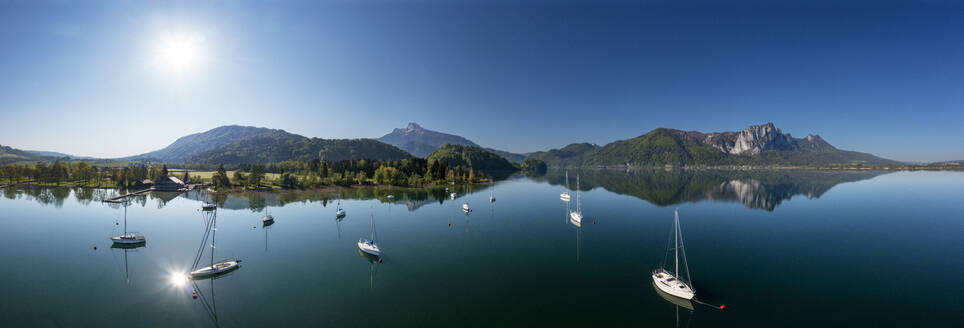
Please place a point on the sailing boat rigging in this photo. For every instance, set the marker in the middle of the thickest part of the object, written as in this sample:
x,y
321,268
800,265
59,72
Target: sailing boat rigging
x,y
210,307
564,196
673,283
369,245
128,237
576,216
215,269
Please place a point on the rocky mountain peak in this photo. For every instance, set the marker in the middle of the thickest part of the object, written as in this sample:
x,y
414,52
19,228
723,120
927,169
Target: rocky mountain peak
x,y
756,138
412,126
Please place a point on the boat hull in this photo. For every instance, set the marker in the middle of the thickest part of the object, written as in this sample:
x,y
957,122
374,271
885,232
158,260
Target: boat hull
x,y
665,282
575,217
340,213
128,240
565,197
215,270
369,248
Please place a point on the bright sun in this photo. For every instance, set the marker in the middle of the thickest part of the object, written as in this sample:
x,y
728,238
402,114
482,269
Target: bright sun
x,y
177,53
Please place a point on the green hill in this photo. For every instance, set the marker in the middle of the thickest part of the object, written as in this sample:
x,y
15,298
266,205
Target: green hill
x,y
756,145
247,145
474,157
12,155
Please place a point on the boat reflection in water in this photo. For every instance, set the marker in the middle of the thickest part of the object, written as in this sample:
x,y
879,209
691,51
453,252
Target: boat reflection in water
x,y
677,304
372,267
685,303
209,304
127,248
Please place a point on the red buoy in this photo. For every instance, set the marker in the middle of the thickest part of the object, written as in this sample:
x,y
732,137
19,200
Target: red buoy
x,y
95,248
379,260
194,295
450,224
722,306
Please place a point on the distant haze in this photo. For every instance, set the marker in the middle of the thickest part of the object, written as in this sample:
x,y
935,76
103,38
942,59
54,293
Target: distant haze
x,y
111,79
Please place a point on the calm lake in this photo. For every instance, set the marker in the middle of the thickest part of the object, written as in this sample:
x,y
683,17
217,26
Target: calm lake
x,y
776,248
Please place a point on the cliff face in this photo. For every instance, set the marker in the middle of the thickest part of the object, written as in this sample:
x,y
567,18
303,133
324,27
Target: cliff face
x,y
752,140
757,138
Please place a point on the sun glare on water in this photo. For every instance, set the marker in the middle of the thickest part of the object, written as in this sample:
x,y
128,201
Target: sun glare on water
x,y
178,279
178,53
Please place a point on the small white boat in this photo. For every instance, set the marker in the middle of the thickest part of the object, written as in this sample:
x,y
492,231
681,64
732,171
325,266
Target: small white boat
x,y
452,196
215,269
492,194
267,218
672,282
575,222
390,197
576,216
128,238
466,208
369,245
340,212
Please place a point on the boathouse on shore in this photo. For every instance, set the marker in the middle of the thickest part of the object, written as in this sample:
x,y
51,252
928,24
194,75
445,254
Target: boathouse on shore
x,y
168,184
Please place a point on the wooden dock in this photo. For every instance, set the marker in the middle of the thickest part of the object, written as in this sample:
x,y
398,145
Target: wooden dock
x,y
119,199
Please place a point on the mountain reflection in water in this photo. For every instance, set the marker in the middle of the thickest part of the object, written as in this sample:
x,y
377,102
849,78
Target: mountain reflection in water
x,y
755,189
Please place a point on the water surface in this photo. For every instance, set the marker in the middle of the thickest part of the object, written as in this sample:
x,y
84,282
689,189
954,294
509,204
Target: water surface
x,y
777,248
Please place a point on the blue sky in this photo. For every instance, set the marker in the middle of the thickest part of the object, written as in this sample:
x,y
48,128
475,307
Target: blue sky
x,y
92,78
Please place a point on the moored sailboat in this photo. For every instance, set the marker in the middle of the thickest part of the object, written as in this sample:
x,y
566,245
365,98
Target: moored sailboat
x,y
214,269
369,245
564,196
340,212
130,238
576,216
673,283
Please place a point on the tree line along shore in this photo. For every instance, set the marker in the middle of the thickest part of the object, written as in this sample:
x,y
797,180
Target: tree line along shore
x,y
313,174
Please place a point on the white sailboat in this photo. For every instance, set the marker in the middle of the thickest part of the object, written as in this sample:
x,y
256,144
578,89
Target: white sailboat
x,y
369,245
466,208
340,212
492,194
452,196
564,196
674,283
128,237
267,219
576,216
208,206
214,269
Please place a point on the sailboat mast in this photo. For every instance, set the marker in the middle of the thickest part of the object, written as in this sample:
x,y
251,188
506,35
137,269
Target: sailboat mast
x,y
125,216
214,232
676,243
578,197
373,226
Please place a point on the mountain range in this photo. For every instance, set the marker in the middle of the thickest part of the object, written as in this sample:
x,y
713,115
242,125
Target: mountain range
x,y
755,145
234,144
421,142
